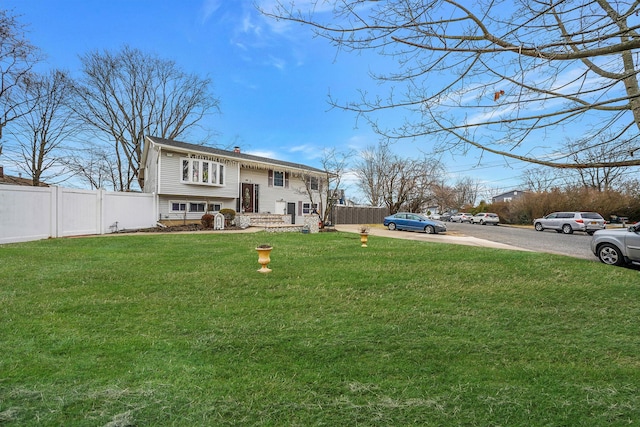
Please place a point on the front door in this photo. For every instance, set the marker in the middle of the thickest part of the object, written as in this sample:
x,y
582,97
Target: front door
x,y
248,200
291,210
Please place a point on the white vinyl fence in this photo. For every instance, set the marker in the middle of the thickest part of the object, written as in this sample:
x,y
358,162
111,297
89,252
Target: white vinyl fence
x,y
33,213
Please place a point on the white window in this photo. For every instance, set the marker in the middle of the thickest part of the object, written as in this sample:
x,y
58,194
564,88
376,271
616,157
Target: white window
x,y
197,207
313,183
178,206
278,179
308,208
203,172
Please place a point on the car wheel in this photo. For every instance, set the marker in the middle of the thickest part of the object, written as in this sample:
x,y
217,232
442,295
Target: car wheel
x,y
539,227
566,229
392,226
610,254
429,229
590,233
482,222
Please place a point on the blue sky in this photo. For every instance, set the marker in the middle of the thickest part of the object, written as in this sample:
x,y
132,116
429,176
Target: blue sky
x,y
273,79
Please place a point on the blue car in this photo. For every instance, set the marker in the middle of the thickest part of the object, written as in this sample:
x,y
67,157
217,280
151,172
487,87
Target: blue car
x,y
414,222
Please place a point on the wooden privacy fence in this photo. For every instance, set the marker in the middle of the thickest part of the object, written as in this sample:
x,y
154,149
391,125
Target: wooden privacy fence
x,y
358,215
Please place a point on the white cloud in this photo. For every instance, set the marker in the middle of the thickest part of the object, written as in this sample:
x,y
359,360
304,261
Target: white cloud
x,y
209,7
262,153
278,63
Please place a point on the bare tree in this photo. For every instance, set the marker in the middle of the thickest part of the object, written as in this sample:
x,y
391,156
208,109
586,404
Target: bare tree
x,y
444,196
129,94
43,125
334,164
603,178
17,57
540,179
370,171
95,166
502,77
395,182
467,192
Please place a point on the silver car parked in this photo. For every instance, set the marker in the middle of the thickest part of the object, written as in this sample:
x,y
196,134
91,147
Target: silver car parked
x,y
461,217
617,246
568,222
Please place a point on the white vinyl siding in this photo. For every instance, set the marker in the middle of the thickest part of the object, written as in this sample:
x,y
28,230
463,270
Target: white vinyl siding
x,y
173,172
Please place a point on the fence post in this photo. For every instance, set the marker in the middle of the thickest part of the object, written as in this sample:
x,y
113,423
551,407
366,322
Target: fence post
x,y
101,211
56,211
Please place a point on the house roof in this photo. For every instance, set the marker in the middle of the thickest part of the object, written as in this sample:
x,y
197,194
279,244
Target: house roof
x,y
14,180
244,159
509,193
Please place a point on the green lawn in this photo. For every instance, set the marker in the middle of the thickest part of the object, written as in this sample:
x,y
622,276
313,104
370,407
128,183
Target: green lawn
x,y
180,330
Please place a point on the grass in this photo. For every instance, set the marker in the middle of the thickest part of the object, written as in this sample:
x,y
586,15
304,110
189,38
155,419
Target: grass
x,y
181,330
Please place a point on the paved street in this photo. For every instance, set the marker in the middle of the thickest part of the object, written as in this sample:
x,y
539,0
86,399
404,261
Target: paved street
x,y
501,236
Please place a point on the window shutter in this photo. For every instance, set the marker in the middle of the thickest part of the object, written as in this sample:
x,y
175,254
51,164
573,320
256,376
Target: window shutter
x,y
270,178
286,180
299,207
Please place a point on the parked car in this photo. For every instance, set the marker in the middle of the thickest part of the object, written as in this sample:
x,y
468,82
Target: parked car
x,y
568,222
414,222
484,218
461,217
617,246
445,217
615,219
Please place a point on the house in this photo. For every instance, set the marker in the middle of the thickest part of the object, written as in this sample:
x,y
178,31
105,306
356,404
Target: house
x,y
508,196
189,180
15,180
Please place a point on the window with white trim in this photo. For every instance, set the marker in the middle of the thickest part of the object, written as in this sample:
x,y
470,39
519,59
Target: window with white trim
x,y
202,172
178,206
197,207
278,179
308,208
314,183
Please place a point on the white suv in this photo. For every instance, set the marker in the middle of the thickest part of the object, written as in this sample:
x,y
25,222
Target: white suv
x,y
568,222
484,218
617,246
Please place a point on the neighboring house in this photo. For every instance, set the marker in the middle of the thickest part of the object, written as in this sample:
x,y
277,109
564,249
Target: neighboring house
x,y
189,180
508,196
15,180
432,210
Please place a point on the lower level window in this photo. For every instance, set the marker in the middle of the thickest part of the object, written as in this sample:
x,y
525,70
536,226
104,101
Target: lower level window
x,y
178,207
308,208
197,207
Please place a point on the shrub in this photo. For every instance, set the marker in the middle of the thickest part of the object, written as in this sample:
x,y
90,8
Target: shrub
x,y
538,204
207,221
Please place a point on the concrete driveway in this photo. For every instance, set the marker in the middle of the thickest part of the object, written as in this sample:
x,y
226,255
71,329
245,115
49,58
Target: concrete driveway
x,y
440,238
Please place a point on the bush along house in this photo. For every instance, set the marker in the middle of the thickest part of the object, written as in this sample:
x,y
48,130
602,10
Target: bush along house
x,y
189,180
